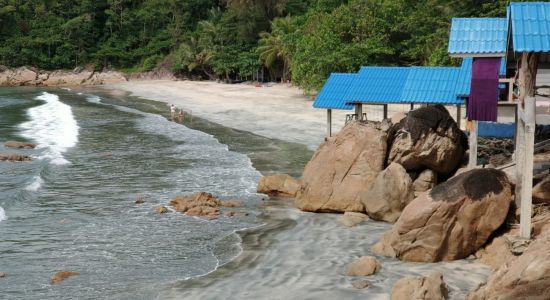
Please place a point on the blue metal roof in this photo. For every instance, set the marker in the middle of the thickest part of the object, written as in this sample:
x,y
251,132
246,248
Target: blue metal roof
x,y
478,36
432,85
465,77
530,26
333,93
378,85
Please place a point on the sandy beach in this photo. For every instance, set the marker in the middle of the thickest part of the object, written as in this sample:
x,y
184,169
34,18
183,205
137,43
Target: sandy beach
x,y
277,111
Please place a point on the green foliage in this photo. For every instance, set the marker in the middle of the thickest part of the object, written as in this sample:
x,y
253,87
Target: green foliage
x,y
299,40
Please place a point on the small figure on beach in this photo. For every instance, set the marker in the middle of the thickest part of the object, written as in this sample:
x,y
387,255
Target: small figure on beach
x,y
181,115
173,112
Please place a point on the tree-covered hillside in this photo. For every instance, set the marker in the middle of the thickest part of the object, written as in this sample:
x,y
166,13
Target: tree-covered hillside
x,y
298,40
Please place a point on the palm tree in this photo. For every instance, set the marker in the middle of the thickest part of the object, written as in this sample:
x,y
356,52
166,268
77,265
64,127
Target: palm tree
x,y
272,47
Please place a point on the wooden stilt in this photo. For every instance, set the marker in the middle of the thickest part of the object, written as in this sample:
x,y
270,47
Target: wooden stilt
x,y
385,111
412,106
527,178
458,115
329,123
359,111
472,162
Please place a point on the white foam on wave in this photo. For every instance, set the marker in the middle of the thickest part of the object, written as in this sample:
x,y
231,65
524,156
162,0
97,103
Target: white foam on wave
x,y
35,184
2,214
94,99
53,127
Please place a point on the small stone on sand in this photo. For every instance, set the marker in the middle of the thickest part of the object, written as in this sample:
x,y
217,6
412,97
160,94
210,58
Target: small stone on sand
x,y
360,284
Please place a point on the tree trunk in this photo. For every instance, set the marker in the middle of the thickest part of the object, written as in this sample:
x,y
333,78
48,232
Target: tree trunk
x,y
528,75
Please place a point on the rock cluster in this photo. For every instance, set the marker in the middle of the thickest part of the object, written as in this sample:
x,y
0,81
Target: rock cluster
x,y
14,157
19,145
452,221
421,288
25,76
199,204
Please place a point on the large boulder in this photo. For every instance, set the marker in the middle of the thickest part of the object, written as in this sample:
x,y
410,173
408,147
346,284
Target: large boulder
x,y
427,138
363,266
23,76
278,185
106,77
453,220
421,288
59,78
541,191
199,204
525,277
390,192
343,167
19,145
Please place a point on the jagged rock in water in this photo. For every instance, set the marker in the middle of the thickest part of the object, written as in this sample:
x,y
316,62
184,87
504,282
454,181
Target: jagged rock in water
x,y
421,288
425,181
523,277
60,276
161,209
199,204
363,266
343,167
14,157
19,145
278,185
453,220
390,192
428,138
360,284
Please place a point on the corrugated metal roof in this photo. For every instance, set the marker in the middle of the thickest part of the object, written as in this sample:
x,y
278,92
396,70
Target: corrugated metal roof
x,y
464,81
378,85
530,26
481,36
432,85
333,93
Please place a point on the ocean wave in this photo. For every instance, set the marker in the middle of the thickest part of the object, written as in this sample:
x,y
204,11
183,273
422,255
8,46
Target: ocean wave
x,y
2,214
53,127
35,184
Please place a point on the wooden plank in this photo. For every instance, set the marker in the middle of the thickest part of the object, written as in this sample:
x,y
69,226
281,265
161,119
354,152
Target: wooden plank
x,y
472,162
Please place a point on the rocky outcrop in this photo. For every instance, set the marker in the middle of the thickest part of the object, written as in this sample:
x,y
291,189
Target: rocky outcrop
x,y
425,181
453,220
25,76
541,191
350,218
278,185
14,157
525,277
60,276
344,167
427,138
199,204
390,192
19,145
421,288
363,266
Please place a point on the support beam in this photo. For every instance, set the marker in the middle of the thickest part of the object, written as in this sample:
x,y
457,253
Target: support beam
x,y
527,178
329,123
385,111
458,114
412,106
472,162
528,75
359,111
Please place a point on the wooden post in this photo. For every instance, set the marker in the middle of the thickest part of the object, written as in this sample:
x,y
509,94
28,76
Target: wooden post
x,y
472,162
329,123
412,106
527,178
458,115
519,154
359,111
385,111
528,75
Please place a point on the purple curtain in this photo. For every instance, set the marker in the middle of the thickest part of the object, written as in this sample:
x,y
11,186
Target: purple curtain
x,y
482,105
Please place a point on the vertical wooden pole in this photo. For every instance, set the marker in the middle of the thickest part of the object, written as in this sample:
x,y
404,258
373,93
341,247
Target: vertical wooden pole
x,y
385,111
359,111
519,154
329,123
458,115
412,106
527,178
472,162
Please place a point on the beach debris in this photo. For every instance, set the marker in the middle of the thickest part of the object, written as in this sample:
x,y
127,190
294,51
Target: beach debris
x,y
421,288
198,204
161,209
278,185
14,157
452,221
360,284
363,266
140,200
60,276
390,192
428,138
343,168
19,145
350,219
523,277
231,203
